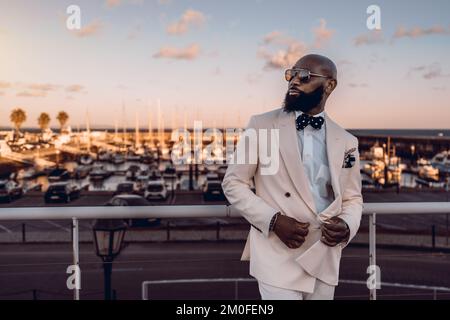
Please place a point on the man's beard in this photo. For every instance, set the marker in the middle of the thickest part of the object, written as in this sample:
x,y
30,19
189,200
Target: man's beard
x,y
304,102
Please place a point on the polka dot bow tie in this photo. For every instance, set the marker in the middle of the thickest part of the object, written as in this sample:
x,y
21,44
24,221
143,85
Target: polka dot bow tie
x,y
304,119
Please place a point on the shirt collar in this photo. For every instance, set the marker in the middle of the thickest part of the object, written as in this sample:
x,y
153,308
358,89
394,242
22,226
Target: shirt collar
x,y
298,113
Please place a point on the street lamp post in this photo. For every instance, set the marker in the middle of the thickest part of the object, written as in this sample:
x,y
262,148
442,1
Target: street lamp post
x,y
108,237
57,157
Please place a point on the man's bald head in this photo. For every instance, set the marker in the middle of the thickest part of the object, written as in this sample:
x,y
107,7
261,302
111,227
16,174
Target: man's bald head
x,y
310,94
318,64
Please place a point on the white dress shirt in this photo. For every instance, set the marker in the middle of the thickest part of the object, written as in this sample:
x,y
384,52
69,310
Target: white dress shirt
x,y
313,151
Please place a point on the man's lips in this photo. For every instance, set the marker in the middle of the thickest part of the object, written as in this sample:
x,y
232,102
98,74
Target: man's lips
x,y
294,91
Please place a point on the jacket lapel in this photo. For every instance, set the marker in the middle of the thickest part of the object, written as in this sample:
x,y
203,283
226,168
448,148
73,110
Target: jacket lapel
x,y
290,153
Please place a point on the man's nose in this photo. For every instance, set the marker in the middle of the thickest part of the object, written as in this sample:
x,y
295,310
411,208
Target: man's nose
x,y
295,82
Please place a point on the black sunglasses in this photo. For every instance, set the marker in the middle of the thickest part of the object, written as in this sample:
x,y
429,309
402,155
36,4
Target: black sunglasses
x,y
304,75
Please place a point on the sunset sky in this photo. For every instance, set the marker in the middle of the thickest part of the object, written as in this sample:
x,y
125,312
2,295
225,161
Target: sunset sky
x,y
221,61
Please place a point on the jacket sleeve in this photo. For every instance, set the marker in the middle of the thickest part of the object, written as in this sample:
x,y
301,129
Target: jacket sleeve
x,y
237,183
352,200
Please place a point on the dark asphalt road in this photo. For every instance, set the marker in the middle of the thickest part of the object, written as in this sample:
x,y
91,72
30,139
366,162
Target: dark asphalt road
x,y
24,268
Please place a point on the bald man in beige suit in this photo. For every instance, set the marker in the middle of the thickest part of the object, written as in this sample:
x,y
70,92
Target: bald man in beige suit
x,y
309,208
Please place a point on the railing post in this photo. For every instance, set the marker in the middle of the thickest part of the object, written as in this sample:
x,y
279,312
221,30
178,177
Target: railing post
x,y
76,256
24,237
433,237
446,232
218,230
35,296
144,291
168,230
372,253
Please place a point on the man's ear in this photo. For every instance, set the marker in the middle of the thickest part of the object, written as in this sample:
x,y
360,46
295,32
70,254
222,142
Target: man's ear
x,y
330,86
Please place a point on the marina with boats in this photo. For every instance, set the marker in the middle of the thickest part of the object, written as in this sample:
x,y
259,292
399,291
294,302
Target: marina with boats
x,y
139,161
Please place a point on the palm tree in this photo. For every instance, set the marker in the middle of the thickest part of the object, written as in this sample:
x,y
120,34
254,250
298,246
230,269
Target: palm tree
x,y
62,117
43,121
18,117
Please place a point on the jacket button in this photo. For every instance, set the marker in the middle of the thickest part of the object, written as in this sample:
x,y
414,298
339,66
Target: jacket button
x,y
287,194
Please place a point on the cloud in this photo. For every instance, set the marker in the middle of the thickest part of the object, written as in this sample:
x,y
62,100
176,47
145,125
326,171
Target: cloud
x,y
322,34
344,62
37,90
45,87
90,29
372,37
40,89
191,52
113,3
429,72
283,58
278,38
419,32
358,85
31,94
293,48
253,78
217,71
4,84
189,18
434,73
74,88
134,32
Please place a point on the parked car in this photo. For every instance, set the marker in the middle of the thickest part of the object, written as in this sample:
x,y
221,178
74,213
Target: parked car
x,y
170,172
133,200
132,172
147,158
125,188
221,171
104,156
155,175
212,176
81,172
118,159
62,191
58,174
86,159
184,184
10,190
212,191
98,173
156,190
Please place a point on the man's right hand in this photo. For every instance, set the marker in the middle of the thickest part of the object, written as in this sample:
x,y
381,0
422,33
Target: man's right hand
x,y
291,231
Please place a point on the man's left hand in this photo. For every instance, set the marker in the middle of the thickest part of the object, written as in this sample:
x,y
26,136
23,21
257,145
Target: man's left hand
x,y
334,231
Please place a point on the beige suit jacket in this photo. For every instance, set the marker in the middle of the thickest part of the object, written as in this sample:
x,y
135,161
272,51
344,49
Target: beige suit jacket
x,y
287,191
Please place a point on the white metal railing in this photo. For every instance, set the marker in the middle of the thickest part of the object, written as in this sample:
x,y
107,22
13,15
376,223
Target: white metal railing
x,y
200,211
146,284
